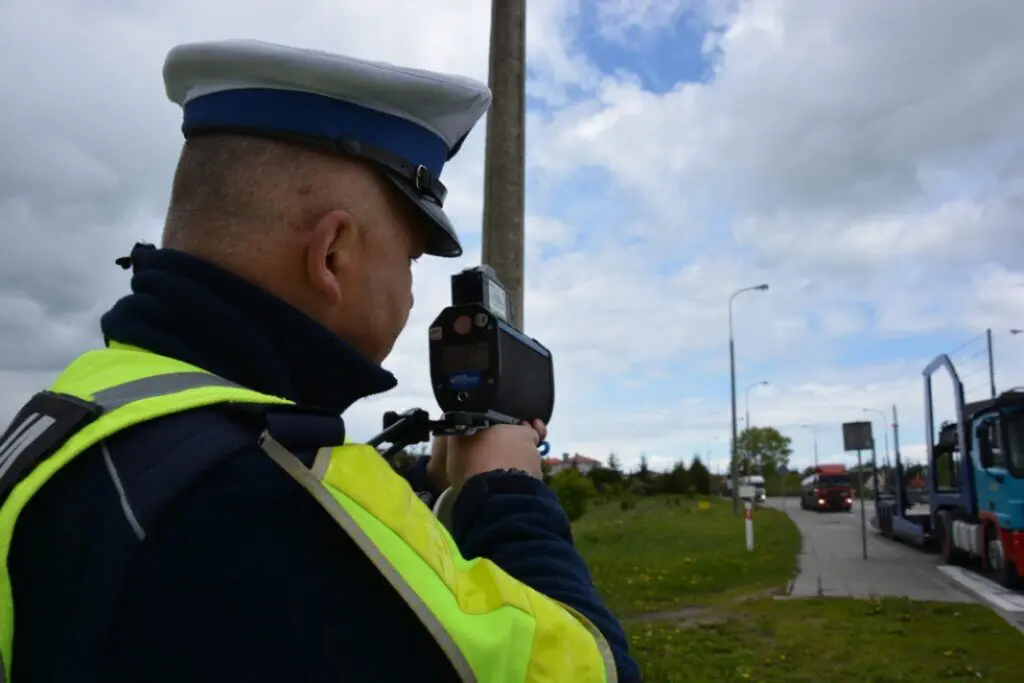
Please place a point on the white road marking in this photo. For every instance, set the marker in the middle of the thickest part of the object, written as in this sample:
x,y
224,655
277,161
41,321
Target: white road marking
x,y
989,591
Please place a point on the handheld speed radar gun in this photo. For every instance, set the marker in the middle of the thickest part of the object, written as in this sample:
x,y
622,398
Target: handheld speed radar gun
x,y
483,370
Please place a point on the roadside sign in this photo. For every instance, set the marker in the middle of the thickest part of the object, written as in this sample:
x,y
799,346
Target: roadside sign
x,y
857,436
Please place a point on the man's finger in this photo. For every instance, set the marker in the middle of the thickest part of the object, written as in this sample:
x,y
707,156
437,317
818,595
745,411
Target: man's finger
x,y
540,428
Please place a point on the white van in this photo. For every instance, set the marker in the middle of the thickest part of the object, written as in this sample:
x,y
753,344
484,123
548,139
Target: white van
x,y
751,488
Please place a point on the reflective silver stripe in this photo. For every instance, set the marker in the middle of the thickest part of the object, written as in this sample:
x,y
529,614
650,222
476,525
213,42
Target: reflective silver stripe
x,y
158,385
290,464
23,437
610,670
323,459
126,505
121,395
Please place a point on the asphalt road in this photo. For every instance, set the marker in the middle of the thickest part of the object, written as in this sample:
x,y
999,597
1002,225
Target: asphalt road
x,y
832,565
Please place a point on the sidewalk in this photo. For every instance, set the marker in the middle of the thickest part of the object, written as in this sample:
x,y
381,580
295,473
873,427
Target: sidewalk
x,y
832,565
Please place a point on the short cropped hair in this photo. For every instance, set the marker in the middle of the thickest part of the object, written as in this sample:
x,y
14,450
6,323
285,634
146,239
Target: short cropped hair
x,y
227,186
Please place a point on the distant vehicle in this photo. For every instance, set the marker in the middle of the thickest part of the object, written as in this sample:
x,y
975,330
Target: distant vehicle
x,y
827,488
752,488
975,484
757,481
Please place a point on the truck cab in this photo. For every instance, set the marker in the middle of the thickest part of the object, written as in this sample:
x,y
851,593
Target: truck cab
x,y
828,487
999,439
976,480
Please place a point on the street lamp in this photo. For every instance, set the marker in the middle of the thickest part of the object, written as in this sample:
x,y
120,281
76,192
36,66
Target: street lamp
x,y
734,467
810,428
762,383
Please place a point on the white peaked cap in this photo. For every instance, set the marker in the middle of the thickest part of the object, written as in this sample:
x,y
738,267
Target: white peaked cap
x,y
407,122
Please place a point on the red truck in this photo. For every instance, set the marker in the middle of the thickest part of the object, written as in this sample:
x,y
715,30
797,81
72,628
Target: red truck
x,y
827,488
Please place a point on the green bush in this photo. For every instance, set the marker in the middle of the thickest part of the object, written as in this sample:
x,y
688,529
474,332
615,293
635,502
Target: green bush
x,y
574,491
638,487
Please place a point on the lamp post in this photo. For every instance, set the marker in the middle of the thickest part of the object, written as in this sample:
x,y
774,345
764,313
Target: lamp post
x,y
810,428
762,383
734,466
746,421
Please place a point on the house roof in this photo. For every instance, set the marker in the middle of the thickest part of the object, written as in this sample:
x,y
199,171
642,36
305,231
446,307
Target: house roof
x,y
576,459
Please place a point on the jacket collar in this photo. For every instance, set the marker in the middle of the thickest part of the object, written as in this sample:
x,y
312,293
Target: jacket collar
x,y
191,310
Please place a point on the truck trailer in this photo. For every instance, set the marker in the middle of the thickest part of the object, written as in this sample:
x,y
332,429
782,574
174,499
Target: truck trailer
x,y
975,484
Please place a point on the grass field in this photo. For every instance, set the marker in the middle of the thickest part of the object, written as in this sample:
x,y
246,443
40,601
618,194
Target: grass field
x,y
658,556
699,608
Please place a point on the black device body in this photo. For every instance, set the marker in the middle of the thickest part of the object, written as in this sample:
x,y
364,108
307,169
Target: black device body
x,y
483,370
480,363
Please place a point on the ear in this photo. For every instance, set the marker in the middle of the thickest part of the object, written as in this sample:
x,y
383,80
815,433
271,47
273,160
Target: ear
x,y
331,250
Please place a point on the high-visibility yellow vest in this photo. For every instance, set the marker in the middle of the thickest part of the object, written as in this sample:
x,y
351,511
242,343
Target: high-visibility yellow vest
x,y
491,626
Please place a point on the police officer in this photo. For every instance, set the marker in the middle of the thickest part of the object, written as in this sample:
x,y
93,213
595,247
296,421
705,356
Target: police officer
x,y
183,503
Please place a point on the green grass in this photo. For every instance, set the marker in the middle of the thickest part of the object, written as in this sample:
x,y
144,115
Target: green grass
x,y
697,608
658,556
831,641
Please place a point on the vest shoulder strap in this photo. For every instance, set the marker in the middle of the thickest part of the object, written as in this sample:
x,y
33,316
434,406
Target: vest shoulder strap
x,y
68,414
38,429
101,393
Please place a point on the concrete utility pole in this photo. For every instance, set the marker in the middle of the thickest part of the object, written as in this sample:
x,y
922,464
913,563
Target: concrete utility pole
x,y
504,162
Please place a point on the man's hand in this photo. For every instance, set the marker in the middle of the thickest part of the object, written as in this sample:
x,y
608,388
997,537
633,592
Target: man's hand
x,y
501,447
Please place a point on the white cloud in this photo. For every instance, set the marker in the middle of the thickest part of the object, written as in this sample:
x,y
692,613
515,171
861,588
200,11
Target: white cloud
x,y
861,156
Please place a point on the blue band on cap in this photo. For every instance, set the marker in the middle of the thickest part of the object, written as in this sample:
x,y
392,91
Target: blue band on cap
x,y
326,118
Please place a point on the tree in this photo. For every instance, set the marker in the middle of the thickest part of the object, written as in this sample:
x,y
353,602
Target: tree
x,y
643,472
603,477
763,450
545,470
606,478
676,480
574,492
700,477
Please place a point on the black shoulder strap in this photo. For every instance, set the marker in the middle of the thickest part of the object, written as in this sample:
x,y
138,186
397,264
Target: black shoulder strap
x,y
37,431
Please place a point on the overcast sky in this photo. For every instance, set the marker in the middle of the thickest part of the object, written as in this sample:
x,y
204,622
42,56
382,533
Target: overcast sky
x,y
863,157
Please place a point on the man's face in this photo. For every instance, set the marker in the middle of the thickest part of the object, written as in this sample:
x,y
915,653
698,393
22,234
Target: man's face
x,y
377,285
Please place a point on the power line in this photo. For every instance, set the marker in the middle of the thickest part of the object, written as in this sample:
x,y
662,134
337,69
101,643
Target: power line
x,y
966,343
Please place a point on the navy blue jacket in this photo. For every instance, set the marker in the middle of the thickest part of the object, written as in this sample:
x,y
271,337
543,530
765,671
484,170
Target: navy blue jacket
x,y
243,577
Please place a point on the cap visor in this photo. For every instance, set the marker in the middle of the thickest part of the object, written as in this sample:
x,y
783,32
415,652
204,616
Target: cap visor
x,y
441,239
